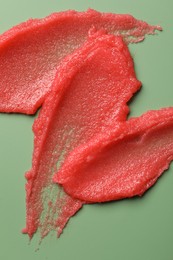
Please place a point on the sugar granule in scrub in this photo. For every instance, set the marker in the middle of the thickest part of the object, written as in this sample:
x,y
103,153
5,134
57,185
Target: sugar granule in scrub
x,y
31,51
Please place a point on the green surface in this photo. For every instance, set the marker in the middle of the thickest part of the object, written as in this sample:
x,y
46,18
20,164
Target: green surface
x,y
140,228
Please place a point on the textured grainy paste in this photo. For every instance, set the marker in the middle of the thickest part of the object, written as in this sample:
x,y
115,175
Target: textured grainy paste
x,y
31,51
77,66
89,94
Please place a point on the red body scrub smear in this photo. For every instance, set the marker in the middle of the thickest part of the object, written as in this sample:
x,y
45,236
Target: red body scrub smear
x,y
77,66
122,163
31,51
89,95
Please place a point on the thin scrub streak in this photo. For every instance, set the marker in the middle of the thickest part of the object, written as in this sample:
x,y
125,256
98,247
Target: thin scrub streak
x,y
53,196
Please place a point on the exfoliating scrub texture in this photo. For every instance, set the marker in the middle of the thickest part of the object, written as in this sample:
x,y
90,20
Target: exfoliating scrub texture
x,y
30,52
77,67
77,109
122,163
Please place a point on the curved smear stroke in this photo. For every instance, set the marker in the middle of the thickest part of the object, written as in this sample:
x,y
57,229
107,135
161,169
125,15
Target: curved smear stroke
x,y
31,51
89,95
122,163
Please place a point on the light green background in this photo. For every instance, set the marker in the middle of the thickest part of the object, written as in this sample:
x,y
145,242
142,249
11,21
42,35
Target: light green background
x,y
135,229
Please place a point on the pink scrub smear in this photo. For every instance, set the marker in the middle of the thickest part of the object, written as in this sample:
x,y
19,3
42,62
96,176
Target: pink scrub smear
x,y
77,67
